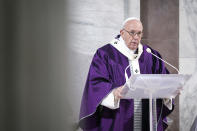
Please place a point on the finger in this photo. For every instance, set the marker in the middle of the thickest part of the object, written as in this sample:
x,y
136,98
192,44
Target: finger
x,y
177,92
180,88
119,95
121,87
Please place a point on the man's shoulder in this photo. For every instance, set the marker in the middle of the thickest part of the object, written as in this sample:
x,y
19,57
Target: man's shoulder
x,y
107,48
107,51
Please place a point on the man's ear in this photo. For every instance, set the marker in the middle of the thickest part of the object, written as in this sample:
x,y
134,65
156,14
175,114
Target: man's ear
x,y
121,32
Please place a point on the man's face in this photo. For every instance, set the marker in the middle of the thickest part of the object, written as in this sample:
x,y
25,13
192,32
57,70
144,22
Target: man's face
x,y
132,33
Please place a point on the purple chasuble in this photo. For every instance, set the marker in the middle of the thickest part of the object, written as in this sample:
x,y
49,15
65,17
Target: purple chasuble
x,y
106,73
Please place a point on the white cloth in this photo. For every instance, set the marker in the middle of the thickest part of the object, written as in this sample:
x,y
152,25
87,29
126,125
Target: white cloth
x,y
168,103
120,45
110,101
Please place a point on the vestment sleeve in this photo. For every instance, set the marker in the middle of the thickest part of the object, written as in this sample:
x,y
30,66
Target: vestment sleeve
x,y
98,86
110,101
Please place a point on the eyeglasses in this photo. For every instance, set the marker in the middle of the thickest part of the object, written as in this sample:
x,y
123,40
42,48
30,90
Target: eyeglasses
x,y
133,33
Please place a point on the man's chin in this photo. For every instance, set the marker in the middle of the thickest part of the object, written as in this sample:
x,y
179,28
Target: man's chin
x,y
133,47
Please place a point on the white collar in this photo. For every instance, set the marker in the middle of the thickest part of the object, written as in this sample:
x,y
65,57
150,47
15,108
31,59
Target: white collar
x,y
120,45
125,46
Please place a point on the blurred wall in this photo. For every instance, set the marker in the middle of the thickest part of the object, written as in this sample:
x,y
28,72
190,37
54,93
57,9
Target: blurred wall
x,y
188,61
33,94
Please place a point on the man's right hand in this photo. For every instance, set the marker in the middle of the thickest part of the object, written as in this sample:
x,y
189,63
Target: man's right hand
x,y
117,93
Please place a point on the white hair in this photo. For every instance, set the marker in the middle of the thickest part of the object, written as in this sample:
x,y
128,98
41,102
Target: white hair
x,y
128,19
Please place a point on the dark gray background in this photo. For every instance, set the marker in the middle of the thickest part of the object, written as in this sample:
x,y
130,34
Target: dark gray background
x,y
33,78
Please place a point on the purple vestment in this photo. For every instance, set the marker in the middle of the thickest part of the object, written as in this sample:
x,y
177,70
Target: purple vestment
x,y
106,73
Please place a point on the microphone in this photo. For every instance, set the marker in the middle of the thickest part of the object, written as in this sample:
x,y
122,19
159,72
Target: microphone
x,y
149,51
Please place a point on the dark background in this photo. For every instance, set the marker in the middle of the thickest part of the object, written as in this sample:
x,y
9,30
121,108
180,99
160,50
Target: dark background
x,y
33,66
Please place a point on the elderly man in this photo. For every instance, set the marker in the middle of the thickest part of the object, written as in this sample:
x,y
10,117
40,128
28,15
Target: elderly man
x,y
102,107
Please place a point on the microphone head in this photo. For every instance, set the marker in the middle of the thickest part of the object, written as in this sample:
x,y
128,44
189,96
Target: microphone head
x,y
148,50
